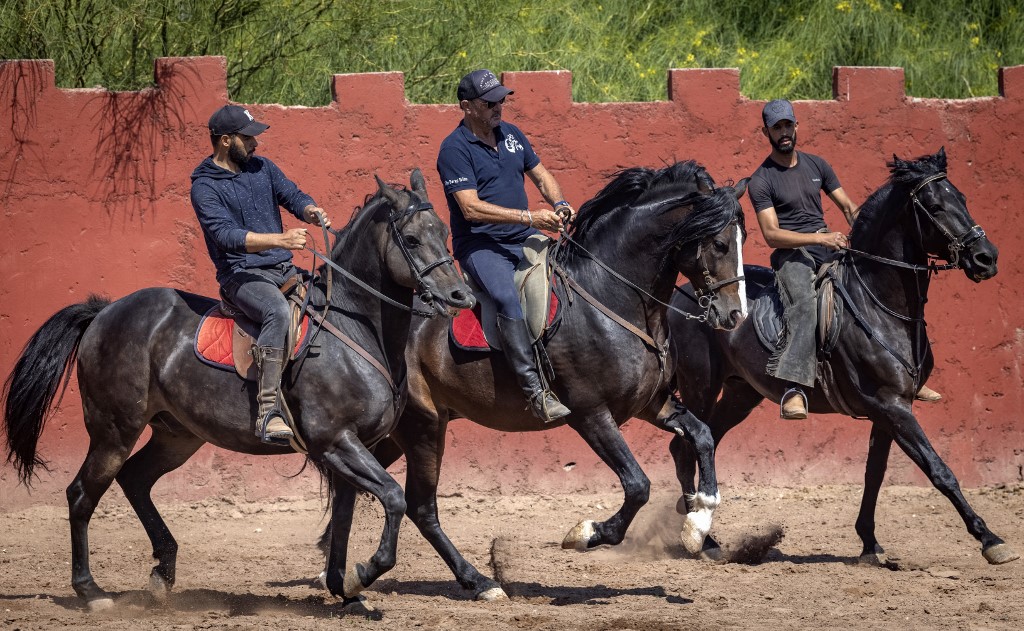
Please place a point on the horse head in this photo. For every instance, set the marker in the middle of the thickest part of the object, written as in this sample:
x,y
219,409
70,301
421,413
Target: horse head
x,y
415,250
940,210
710,254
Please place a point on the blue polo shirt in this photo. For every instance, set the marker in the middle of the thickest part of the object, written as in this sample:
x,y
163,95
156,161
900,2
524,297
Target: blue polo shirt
x,y
465,162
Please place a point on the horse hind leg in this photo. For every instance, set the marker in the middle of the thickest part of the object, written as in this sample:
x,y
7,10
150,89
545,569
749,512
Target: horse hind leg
x,y
166,450
879,446
102,463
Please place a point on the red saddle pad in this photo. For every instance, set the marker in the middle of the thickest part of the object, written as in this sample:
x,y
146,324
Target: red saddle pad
x,y
213,338
467,331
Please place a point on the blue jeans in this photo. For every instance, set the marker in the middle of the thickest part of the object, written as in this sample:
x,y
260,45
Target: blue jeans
x,y
257,294
492,267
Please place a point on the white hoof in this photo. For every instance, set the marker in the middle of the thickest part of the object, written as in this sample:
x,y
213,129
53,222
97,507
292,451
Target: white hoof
x,y
322,579
352,585
579,537
697,524
100,604
158,587
492,594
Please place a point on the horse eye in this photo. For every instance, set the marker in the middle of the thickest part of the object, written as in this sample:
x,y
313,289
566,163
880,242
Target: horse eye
x,y
412,241
721,246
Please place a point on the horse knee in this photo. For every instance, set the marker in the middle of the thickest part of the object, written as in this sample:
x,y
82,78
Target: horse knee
x,y
394,502
637,490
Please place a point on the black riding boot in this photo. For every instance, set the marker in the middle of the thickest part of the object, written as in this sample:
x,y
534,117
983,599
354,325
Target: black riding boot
x,y
270,425
518,346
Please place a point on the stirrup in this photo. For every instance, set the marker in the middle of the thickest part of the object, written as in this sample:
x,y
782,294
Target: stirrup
x,y
280,438
785,398
539,407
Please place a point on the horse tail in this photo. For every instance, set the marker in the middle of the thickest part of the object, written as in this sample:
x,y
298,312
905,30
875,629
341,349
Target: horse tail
x,y
30,388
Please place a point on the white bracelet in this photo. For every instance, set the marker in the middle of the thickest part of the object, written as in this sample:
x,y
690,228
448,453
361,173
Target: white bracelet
x,y
530,215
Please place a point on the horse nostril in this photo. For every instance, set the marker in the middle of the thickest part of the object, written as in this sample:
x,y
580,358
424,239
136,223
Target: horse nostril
x,y
984,259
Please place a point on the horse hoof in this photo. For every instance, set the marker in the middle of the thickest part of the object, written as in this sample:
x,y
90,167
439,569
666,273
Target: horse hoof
x,y
711,555
158,587
691,537
873,559
100,604
999,554
492,594
321,580
357,606
353,585
579,537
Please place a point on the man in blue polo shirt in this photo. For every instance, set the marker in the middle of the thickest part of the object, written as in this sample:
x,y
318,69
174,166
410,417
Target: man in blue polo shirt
x,y
482,164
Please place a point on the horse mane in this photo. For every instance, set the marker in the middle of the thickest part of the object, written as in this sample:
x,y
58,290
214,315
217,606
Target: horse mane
x,y
360,217
635,187
646,192
902,173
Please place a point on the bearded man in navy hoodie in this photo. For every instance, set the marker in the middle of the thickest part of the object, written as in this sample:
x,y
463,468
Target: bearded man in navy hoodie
x,y
237,197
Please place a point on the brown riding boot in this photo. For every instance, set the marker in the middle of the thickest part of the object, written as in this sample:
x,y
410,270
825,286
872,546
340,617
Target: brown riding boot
x,y
518,347
270,425
794,405
927,394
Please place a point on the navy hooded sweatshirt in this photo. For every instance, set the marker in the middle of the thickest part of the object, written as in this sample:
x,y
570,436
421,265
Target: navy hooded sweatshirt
x,y
229,205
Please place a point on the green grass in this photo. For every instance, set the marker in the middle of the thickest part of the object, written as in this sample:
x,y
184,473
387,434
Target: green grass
x,y
284,51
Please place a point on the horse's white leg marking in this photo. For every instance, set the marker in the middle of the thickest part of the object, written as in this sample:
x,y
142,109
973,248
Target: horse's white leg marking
x,y
697,524
739,271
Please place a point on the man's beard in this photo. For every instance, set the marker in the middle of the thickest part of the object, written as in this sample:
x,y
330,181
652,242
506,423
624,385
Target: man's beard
x,y
238,155
788,149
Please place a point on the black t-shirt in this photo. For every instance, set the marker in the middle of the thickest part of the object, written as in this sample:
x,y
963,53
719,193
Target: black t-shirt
x,y
794,192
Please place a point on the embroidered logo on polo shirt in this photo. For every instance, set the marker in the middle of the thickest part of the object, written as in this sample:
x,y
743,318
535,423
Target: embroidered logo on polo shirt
x,y
512,145
458,180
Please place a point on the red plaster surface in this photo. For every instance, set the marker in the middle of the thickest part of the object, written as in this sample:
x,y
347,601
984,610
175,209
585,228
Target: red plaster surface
x,y
94,187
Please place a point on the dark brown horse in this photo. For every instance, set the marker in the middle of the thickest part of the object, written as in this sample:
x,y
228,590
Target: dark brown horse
x,y
137,368
880,352
628,246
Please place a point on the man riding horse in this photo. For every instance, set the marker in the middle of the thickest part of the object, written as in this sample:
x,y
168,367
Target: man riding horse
x,y
482,164
785,193
236,195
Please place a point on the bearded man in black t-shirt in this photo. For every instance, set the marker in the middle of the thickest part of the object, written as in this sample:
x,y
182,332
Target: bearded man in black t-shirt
x,y
786,194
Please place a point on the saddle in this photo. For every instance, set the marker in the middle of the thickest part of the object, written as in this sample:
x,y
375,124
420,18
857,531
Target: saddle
x,y
767,308
477,328
225,337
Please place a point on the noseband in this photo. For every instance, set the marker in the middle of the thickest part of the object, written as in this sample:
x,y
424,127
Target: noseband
x,y
707,295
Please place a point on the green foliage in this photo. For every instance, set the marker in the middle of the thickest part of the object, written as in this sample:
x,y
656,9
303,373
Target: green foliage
x,y
284,51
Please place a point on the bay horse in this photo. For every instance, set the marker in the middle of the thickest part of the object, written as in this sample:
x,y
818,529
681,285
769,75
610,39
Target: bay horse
x,y
626,250
881,353
137,368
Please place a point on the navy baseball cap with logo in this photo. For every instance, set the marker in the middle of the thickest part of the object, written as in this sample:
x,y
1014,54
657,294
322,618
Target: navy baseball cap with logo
x,y
777,110
233,119
482,84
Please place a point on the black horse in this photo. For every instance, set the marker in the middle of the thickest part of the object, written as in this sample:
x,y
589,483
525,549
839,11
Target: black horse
x,y
880,353
626,249
136,367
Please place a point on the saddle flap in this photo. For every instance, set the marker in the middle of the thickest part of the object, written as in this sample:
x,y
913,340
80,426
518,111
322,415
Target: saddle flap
x,y
224,339
533,283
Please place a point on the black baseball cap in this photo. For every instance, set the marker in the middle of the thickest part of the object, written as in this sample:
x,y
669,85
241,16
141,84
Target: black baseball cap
x,y
774,111
234,119
482,84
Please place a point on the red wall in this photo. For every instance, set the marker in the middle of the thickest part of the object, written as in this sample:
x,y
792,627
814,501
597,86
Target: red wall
x,y
95,199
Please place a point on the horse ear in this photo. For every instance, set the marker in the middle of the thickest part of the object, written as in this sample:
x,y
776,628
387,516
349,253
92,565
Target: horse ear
x,y
389,193
941,156
741,187
419,185
704,185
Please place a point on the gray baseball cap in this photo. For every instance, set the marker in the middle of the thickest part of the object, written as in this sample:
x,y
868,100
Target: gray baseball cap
x,y
774,111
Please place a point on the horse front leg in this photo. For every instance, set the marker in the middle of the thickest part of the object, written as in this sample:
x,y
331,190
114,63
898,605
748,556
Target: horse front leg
x,y
703,502
355,466
602,434
911,438
874,472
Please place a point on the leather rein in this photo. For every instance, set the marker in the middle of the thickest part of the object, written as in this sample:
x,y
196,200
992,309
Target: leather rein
x,y
705,296
419,273
956,246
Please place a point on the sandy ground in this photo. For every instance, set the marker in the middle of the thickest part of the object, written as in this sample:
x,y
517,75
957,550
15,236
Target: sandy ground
x,y
251,565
